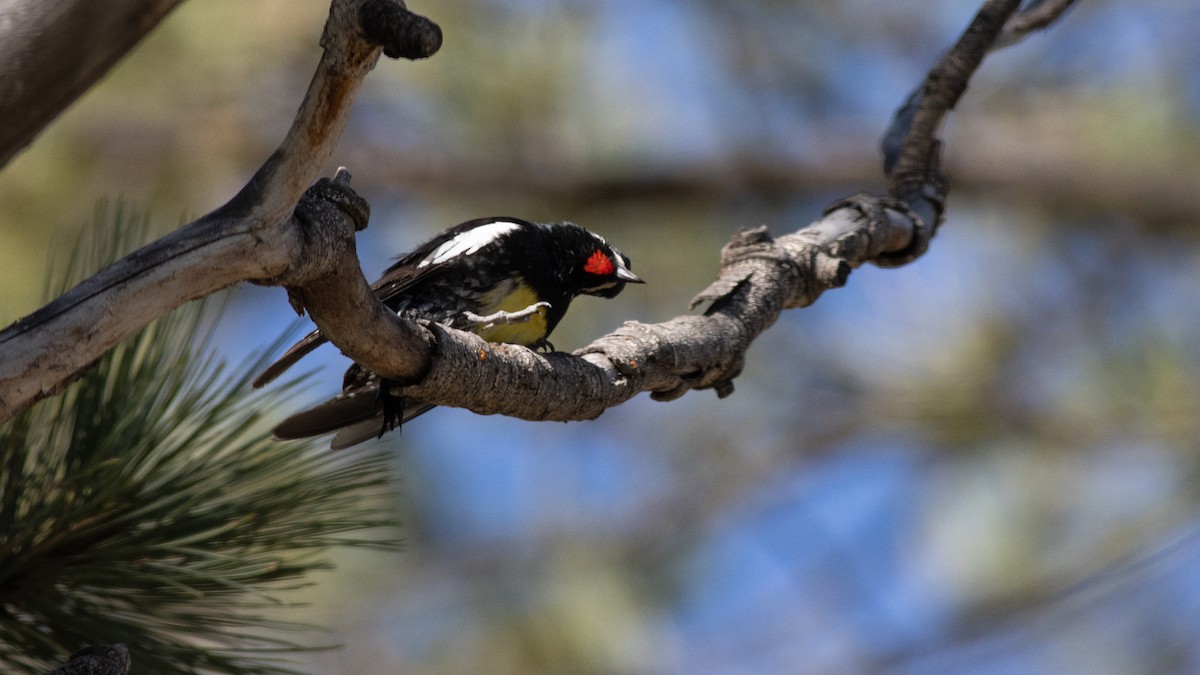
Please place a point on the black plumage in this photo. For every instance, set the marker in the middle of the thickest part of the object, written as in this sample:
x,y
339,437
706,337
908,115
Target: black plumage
x,y
489,269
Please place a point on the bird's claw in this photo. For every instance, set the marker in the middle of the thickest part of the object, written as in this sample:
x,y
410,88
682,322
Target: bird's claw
x,y
392,404
502,317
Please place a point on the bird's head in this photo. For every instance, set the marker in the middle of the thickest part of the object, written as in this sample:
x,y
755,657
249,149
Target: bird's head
x,y
603,270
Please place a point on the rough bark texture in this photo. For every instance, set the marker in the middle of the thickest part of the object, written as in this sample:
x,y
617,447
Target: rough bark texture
x,y
257,237
760,277
253,237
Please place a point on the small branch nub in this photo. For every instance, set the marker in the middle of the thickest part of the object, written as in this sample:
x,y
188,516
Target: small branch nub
x,y
401,33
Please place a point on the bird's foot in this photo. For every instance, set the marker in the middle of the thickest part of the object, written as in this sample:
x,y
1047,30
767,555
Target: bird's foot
x,y
502,317
392,404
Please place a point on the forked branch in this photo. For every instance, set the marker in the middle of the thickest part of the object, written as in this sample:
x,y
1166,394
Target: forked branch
x,y
760,276
251,238
257,237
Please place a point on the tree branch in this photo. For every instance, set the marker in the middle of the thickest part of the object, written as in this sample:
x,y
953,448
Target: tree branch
x,y
312,254
1038,15
54,50
253,237
759,278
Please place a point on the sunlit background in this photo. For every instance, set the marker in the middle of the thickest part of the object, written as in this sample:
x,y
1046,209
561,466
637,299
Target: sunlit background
x,y
985,462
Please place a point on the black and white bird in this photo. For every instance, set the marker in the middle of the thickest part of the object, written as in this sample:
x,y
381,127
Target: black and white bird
x,y
505,279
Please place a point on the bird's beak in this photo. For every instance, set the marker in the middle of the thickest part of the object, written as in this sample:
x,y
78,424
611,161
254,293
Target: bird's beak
x,y
624,274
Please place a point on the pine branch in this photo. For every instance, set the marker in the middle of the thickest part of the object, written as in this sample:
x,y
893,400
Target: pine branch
x,y
145,506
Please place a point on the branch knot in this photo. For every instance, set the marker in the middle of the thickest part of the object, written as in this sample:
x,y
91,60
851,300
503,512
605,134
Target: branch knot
x,y
401,33
874,209
326,216
738,258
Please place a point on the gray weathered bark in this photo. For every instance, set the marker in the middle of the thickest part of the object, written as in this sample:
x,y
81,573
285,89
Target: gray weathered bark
x,y
256,237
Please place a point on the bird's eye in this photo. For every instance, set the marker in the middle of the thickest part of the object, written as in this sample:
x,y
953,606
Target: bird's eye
x,y
599,264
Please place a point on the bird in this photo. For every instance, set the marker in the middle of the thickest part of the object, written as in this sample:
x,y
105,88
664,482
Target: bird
x,y
504,279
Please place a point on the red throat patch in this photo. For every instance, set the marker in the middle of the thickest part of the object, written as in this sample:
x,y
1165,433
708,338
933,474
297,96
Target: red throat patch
x,y
599,264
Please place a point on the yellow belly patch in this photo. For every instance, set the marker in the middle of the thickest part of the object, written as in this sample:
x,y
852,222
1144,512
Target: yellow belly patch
x,y
527,332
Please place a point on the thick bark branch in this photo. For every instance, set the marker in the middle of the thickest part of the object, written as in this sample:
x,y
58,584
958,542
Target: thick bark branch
x,y
760,277
54,50
256,237
336,294
253,237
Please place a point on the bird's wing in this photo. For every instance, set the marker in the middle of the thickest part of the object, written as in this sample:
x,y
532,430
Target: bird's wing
x,y
436,255
428,260
365,430
337,412
290,357
356,416
395,282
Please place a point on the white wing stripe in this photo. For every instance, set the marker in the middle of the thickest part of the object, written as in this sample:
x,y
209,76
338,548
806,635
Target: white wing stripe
x,y
468,242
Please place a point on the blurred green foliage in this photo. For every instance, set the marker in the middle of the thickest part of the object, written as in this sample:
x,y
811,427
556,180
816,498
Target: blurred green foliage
x,y
985,460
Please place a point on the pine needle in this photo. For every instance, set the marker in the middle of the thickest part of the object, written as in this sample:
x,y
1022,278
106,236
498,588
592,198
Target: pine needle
x,y
147,505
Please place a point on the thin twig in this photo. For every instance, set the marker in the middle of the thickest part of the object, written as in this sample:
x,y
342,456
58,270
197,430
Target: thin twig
x,y
1037,16
943,87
